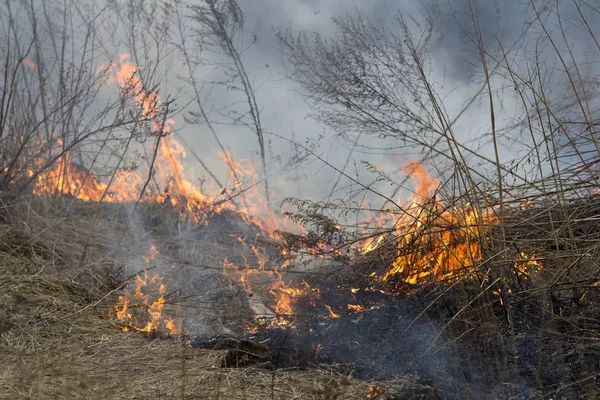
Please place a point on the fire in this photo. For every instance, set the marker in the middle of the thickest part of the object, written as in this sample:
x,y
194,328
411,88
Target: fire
x,y
67,179
152,253
436,243
374,393
147,294
250,327
253,200
585,292
332,314
169,183
525,205
524,267
501,294
356,307
319,348
173,326
527,264
372,244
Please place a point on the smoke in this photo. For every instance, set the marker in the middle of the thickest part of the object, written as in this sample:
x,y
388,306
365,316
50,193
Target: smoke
x,y
456,73
454,69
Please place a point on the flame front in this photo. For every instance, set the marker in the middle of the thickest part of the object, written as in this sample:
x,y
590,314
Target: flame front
x,y
433,242
169,182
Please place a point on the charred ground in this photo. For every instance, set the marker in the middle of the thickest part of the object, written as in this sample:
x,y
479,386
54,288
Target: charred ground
x,y
448,339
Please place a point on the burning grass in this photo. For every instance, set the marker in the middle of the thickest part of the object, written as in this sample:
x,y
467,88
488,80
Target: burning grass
x,y
58,325
58,342
489,281
488,293
512,295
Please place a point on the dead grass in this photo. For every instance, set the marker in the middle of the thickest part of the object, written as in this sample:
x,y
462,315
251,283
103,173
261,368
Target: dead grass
x,y
90,358
57,341
87,357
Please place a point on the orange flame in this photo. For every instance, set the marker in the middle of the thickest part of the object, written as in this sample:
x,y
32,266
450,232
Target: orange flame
x,y
170,185
152,253
332,314
147,294
372,244
374,393
527,264
319,348
356,307
586,291
434,242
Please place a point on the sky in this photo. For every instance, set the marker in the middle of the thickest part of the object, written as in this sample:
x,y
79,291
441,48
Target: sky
x,y
285,112
454,68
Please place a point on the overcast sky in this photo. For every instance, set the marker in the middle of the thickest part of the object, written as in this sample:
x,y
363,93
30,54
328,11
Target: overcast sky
x,y
284,111
454,67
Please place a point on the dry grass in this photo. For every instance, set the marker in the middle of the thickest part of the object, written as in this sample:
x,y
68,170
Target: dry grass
x,y
57,341
90,358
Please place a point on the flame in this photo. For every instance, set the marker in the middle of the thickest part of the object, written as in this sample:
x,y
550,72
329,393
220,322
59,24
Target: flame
x,y
523,267
358,308
250,327
527,264
253,201
319,348
434,242
169,185
586,291
152,253
68,179
501,293
374,393
286,295
372,244
332,314
525,205
147,294
173,326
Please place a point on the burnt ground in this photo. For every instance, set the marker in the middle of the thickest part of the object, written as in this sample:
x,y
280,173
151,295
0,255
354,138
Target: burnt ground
x,y
57,340
402,335
382,344
405,335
